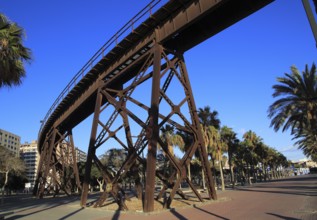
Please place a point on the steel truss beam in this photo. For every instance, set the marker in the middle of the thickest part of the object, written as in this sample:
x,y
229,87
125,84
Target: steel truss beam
x,y
163,67
58,166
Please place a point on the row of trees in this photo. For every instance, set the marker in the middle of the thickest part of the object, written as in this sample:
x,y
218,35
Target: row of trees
x,y
247,159
296,109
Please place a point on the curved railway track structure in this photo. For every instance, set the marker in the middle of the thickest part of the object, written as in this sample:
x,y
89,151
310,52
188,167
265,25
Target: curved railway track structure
x,y
148,50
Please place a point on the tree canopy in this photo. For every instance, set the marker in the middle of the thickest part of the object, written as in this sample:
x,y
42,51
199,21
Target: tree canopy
x,y
296,107
13,54
9,163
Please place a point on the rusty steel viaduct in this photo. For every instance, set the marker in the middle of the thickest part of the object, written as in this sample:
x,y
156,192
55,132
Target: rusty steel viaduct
x,y
148,50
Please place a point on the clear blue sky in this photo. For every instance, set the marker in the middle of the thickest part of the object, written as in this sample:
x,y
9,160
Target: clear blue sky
x,y
233,72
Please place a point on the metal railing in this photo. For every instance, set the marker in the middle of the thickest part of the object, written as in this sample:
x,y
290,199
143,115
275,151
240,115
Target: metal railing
x,y
110,44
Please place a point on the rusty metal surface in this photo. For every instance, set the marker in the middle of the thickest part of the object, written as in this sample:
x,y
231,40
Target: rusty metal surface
x,y
162,68
57,166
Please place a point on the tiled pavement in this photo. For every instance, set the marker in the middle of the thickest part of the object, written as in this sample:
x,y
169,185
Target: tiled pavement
x,y
291,198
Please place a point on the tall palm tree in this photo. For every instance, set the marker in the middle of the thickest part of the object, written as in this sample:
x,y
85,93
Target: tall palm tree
x,y
207,118
221,148
12,53
296,107
229,138
172,140
251,140
215,149
188,141
307,141
261,151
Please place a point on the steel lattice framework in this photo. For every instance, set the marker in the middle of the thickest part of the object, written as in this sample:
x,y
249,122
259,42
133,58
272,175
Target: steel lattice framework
x,y
136,84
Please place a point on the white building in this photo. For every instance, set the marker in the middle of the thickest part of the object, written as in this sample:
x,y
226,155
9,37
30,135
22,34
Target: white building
x,y
31,158
81,156
10,141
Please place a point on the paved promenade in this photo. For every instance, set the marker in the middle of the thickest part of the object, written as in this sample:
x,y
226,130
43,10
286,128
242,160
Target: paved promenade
x,y
292,198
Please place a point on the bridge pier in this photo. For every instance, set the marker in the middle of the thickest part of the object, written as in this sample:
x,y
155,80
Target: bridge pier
x,y
57,165
153,131
129,117
91,151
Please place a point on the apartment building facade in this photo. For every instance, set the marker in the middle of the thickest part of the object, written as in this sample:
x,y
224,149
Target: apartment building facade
x,y
10,141
31,158
81,156
29,154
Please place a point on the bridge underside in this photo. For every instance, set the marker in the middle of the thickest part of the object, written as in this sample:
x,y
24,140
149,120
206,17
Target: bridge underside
x,y
138,94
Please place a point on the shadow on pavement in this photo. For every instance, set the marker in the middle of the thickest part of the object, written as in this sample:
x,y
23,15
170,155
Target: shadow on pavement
x,y
177,215
303,193
283,217
116,215
301,186
32,213
24,203
218,216
72,213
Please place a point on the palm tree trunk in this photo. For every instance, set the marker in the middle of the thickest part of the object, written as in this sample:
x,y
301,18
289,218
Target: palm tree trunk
x,y
214,170
189,173
203,175
221,175
231,169
265,172
242,177
249,173
233,181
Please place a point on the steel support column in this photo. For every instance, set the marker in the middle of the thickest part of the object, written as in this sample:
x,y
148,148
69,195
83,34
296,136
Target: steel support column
x,y
57,167
91,150
75,167
201,144
153,131
46,163
40,165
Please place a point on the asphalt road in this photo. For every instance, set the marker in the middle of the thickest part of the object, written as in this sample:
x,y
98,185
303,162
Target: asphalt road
x,y
291,198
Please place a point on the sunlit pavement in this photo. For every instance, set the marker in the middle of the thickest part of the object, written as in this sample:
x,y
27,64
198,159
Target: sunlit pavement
x,y
291,198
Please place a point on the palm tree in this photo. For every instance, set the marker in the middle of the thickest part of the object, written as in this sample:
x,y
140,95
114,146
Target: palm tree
x,y
188,141
12,53
172,140
262,152
215,149
251,141
307,141
229,138
297,107
211,139
221,147
206,117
